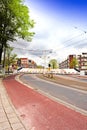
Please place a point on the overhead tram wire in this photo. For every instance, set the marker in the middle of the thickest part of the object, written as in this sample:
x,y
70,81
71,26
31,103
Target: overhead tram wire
x,y
73,38
34,50
81,30
79,42
50,50
71,42
75,45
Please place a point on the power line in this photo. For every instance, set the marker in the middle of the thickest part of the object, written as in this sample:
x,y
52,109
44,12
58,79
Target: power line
x,y
73,38
33,50
71,43
81,29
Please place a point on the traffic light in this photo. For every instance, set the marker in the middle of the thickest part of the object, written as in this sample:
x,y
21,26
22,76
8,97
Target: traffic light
x,y
49,65
19,62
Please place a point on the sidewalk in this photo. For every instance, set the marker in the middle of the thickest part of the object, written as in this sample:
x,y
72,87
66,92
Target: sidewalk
x,y
9,119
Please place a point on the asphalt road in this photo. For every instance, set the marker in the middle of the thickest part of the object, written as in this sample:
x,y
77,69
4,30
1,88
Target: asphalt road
x,y
74,97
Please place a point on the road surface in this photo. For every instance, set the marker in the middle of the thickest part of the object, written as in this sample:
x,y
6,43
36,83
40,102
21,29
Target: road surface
x,y
39,112
73,96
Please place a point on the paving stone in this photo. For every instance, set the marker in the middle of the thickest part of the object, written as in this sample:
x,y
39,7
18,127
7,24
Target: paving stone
x,y
22,129
4,125
6,104
1,110
8,118
2,114
0,104
9,110
14,120
3,119
8,129
1,128
11,115
17,126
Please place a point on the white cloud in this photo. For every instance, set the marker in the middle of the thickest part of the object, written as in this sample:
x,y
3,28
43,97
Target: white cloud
x,y
51,34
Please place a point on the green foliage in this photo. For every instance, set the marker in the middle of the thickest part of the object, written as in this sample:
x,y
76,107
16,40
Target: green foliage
x,y
39,67
21,19
53,63
14,22
74,63
10,57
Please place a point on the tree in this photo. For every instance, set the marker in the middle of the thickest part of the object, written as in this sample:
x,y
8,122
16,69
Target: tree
x,y
53,63
14,22
74,63
10,58
39,66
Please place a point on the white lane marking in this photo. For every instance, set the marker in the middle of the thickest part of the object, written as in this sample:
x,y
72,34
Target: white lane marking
x,y
73,107
63,86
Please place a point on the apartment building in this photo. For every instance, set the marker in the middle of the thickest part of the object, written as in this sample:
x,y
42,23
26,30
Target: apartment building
x,y
32,64
67,63
64,64
26,63
81,59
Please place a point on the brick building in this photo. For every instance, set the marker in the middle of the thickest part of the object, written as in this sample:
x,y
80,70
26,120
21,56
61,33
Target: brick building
x,y
82,62
32,64
26,63
64,64
67,63
82,59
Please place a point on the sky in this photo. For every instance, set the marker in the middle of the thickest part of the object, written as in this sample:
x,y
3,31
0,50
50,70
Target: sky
x,y
60,30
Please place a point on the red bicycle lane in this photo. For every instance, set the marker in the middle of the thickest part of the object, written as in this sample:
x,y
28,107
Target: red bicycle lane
x,y
38,112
